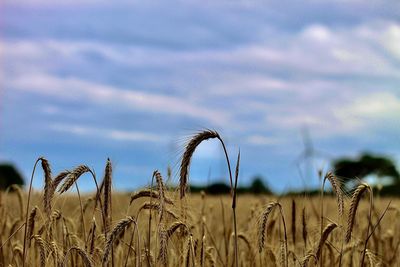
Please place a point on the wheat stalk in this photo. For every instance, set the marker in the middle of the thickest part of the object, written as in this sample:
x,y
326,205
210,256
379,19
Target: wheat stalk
x,y
304,226
187,156
293,225
175,226
87,261
163,245
91,238
31,223
72,177
355,200
155,206
209,257
307,258
120,227
263,223
161,193
335,183
55,252
325,233
48,184
242,236
42,249
53,186
148,193
107,195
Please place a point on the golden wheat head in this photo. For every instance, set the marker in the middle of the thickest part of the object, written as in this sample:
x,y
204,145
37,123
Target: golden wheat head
x,y
187,156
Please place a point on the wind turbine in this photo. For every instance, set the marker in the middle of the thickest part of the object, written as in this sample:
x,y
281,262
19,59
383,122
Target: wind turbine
x,y
307,156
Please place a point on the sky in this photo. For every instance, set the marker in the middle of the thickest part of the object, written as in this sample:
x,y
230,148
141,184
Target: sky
x,y
81,81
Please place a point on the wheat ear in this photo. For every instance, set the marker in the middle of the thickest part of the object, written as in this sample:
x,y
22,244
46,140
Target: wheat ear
x,y
48,184
209,257
120,227
263,223
148,193
107,195
325,234
161,193
307,258
87,261
187,156
337,189
155,206
174,227
42,249
31,223
163,245
72,177
355,200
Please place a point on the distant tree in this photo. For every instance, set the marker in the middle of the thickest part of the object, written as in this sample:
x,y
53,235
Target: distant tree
x,y
217,189
365,165
9,175
258,186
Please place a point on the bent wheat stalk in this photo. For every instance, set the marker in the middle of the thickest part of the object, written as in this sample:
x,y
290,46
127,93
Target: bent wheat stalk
x,y
118,229
325,234
187,157
262,230
27,211
184,171
336,188
148,193
87,261
234,210
355,200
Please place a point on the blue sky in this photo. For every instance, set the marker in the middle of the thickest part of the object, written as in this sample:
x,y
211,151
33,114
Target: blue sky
x,y
85,80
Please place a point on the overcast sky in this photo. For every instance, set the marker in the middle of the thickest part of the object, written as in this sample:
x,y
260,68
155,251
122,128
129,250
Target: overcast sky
x,y
84,80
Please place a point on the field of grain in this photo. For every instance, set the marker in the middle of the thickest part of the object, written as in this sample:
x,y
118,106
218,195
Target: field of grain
x,y
168,226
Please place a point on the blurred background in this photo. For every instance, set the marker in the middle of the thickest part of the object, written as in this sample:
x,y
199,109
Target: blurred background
x,y
296,85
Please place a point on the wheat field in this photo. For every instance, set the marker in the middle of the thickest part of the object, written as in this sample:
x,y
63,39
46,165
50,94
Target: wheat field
x,y
165,225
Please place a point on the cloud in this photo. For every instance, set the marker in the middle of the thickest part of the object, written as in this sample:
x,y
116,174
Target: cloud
x,y
78,90
262,140
315,50
369,112
116,135
391,39
282,81
215,86
258,70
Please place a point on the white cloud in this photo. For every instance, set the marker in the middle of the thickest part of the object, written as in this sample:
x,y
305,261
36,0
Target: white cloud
x,y
369,111
282,83
316,49
108,133
262,140
391,39
88,92
376,105
317,33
